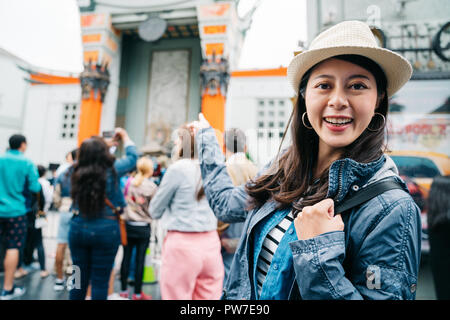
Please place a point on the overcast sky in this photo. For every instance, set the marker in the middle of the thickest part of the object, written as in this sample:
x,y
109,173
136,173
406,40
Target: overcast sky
x,y
277,27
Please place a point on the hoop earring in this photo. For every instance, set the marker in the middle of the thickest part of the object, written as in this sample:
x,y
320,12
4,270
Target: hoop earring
x,y
303,120
381,127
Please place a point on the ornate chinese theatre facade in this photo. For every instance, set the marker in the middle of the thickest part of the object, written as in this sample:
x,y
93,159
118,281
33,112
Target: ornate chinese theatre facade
x,y
150,66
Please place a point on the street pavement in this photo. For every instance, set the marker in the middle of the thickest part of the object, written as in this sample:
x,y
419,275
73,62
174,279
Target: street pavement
x,y
42,289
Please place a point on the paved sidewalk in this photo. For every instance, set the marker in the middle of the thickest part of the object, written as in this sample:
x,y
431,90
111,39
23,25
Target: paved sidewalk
x,y
42,289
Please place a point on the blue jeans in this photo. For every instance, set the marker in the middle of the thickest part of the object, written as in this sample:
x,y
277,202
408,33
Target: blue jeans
x,y
93,245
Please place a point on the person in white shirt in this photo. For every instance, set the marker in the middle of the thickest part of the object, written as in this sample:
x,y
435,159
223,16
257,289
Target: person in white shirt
x,y
47,188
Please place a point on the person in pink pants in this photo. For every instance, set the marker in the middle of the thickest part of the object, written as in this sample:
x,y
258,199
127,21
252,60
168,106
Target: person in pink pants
x,y
192,266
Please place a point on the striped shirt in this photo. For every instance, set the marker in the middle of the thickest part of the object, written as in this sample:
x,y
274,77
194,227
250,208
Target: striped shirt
x,y
272,241
269,247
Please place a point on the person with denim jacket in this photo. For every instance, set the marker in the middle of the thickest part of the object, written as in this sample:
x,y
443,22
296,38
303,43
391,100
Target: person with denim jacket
x,y
94,234
294,247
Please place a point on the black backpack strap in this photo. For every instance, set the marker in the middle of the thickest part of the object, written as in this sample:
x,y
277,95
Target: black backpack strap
x,y
367,193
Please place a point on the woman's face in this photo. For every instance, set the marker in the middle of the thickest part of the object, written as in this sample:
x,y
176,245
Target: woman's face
x,y
340,102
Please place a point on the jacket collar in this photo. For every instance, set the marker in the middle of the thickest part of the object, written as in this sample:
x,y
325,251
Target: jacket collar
x,y
349,175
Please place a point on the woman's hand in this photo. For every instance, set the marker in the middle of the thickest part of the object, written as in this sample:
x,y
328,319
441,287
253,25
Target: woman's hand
x,y
317,219
200,124
122,134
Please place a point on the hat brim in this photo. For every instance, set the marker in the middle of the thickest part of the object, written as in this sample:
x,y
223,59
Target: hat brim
x,y
396,68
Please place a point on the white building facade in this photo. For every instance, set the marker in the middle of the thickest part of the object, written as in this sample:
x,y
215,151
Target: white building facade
x,y
259,102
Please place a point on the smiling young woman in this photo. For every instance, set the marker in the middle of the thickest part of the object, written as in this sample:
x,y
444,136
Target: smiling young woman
x,y
294,245
349,87
341,97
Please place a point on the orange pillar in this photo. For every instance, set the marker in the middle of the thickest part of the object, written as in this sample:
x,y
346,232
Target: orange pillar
x,y
94,83
90,117
213,108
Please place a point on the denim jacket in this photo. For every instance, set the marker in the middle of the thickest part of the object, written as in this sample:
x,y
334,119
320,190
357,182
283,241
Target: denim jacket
x,y
64,181
376,256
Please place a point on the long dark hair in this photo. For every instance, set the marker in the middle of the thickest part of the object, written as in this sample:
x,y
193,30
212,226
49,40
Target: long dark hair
x,y
291,174
89,176
188,150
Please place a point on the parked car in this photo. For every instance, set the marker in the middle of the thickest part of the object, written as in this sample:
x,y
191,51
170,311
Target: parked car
x,y
418,170
421,166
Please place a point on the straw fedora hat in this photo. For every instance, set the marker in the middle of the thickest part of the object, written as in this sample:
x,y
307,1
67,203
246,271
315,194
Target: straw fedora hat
x,y
351,37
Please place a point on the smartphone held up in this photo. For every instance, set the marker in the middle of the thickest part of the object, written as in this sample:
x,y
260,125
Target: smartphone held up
x,y
111,138
108,134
